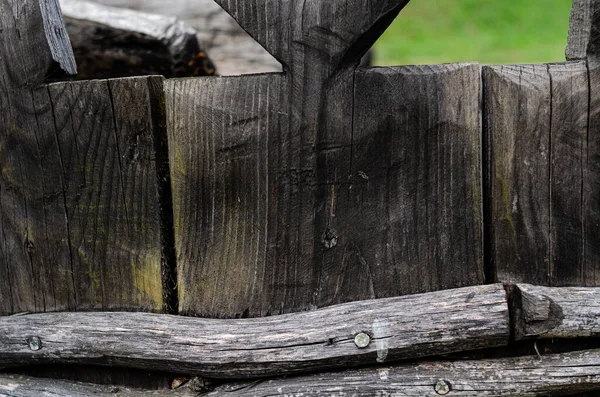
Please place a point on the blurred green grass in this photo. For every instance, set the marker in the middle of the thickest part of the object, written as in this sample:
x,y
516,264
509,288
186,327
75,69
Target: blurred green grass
x,y
487,31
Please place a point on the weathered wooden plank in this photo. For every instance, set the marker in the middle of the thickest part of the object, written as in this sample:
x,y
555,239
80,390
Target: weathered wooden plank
x,y
568,141
517,145
391,329
556,375
535,155
113,42
33,46
81,220
584,31
25,386
591,181
545,312
410,219
286,196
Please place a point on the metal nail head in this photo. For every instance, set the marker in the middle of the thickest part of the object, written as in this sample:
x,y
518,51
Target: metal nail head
x,y
362,340
442,387
34,343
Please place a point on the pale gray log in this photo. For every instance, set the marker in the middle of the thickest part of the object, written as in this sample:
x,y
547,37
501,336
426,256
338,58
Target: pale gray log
x,y
24,386
546,312
399,328
555,375
580,29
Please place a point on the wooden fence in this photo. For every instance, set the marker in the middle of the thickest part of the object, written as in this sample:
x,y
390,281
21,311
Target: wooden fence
x,y
251,196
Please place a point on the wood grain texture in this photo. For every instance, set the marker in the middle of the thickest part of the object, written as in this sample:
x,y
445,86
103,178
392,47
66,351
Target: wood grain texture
x,y
591,185
80,202
113,42
555,375
272,174
546,312
25,386
535,155
399,328
584,31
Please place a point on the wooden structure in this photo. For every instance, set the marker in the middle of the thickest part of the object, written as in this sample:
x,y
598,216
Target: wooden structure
x,y
317,219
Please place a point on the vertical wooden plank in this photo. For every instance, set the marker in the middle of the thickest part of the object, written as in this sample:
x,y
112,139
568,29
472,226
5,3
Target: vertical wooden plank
x,y
225,141
33,47
517,139
591,180
568,141
536,151
413,222
105,136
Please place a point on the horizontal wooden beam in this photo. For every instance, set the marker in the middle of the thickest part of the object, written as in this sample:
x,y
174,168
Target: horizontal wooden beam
x,y
547,312
352,334
559,374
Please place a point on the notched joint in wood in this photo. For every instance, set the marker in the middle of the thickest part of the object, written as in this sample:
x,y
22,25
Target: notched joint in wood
x,y
532,315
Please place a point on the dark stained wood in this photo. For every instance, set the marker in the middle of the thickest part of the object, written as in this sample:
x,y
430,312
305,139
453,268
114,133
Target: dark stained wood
x,y
545,312
278,178
115,42
34,47
591,186
556,375
536,149
436,323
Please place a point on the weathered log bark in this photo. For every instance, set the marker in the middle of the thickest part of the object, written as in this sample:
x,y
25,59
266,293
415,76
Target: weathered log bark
x,y
24,386
115,42
556,375
359,333
545,312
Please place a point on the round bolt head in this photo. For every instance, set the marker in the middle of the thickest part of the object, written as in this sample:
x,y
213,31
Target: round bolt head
x,y
442,387
34,343
362,340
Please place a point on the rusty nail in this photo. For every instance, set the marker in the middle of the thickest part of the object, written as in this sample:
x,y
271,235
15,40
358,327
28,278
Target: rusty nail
x,y
34,343
362,340
442,387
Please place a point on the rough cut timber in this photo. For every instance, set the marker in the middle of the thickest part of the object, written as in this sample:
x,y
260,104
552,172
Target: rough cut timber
x,y
80,215
397,328
584,32
116,42
278,179
545,312
556,375
537,174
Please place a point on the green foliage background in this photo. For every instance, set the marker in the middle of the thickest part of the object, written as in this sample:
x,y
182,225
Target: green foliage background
x,y
487,31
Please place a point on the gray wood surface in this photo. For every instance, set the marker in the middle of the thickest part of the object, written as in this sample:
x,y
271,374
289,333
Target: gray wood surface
x,y
79,187
113,42
584,31
553,375
398,328
25,386
546,312
536,173
278,179
556,375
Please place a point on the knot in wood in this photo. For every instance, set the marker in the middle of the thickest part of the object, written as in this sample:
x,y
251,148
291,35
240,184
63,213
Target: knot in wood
x,y
329,239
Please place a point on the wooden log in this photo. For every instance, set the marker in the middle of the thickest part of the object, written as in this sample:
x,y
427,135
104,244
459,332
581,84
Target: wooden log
x,y
113,42
230,47
352,334
25,386
556,375
536,153
545,312
281,176
584,31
